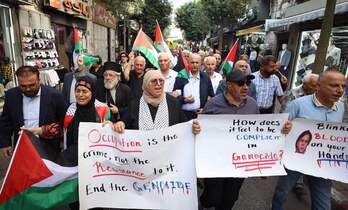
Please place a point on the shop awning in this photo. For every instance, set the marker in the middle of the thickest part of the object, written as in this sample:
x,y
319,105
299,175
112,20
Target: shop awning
x,y
273,24
249,30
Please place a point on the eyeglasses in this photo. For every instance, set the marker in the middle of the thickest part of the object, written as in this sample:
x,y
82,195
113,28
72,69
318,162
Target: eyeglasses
x,y
242,83
157,82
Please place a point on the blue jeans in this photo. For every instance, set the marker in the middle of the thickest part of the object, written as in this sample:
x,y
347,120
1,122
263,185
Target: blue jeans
x,y
320,191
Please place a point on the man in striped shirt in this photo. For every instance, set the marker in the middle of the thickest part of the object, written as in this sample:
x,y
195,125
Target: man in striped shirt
x,y
267,85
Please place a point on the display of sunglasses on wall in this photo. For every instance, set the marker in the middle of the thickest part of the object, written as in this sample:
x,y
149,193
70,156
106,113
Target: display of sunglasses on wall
x,y
39,48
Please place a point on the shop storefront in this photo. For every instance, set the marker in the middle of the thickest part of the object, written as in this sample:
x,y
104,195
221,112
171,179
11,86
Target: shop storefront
x,y
304,33
10,48
337,53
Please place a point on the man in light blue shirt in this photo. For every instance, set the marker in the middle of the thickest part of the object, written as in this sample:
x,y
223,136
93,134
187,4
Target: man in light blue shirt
x,y
324,105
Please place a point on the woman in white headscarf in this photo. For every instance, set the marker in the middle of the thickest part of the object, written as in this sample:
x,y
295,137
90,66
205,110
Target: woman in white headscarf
x,y
155,109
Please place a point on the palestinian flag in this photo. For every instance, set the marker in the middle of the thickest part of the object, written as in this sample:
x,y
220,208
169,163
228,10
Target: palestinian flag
x,y
77,41
84,59
161,45
143,44
34,180
227,66
185,72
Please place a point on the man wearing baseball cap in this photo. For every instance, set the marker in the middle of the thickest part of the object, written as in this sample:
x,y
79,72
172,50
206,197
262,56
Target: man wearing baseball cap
x,y
111,91
222,193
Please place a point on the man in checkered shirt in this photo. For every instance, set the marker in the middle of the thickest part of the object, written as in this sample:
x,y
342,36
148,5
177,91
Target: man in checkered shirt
x,y
267,85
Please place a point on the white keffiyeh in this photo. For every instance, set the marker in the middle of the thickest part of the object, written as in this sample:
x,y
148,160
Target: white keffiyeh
x,y
161,118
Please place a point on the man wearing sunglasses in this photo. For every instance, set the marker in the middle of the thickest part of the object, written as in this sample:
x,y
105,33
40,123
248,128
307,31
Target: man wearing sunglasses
x,y
222,193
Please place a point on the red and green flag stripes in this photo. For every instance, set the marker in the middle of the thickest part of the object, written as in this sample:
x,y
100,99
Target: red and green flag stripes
x,y
161,45
34,181
77,41
185,72
230,59
144,44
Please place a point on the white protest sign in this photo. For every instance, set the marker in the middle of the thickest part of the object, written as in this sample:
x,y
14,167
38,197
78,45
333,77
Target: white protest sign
x,y
240,145
138,169
318,149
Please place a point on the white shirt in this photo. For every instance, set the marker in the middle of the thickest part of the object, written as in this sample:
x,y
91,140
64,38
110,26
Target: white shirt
x,y
215,79
169,80
253,55
31,110
192,88
72,91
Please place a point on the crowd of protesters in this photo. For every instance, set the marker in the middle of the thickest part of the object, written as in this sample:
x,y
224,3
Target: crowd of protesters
x,y
129,95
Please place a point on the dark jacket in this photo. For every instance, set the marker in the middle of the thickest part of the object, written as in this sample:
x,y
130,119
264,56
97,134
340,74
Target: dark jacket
x,y
136,84
123,96
52,110
68,78
205,88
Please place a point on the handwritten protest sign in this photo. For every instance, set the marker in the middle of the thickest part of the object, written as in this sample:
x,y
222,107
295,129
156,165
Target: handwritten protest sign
x,y
318,149
240,145
138,169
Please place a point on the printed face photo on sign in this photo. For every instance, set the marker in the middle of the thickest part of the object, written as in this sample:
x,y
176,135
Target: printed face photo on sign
x,y
303,141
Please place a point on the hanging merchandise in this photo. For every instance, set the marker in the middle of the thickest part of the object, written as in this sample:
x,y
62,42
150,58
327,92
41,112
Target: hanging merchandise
x,y
39,48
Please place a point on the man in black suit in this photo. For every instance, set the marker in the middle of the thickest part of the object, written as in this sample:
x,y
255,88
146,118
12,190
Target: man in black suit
x,y
80,70
195,90
34,107
111,91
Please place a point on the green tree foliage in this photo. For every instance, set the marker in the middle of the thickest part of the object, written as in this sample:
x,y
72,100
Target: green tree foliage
x,y
123,9
224,13
192,20
153,10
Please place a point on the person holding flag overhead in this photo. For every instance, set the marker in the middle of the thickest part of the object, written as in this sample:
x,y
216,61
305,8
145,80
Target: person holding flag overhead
x,y
161,45
227,65
144,44
82,62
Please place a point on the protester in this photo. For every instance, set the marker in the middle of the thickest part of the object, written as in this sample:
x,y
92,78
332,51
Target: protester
x,y
202,54
136,77
126,66
195,90
324,105
155,109
242,66
85,109
210,66
111,91
168,74
37,108
308,87
283,80
267,85
245,58
79,70
218,62
222,193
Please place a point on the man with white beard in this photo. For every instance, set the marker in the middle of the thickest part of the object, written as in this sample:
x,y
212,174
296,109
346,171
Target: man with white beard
x,y
111,91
